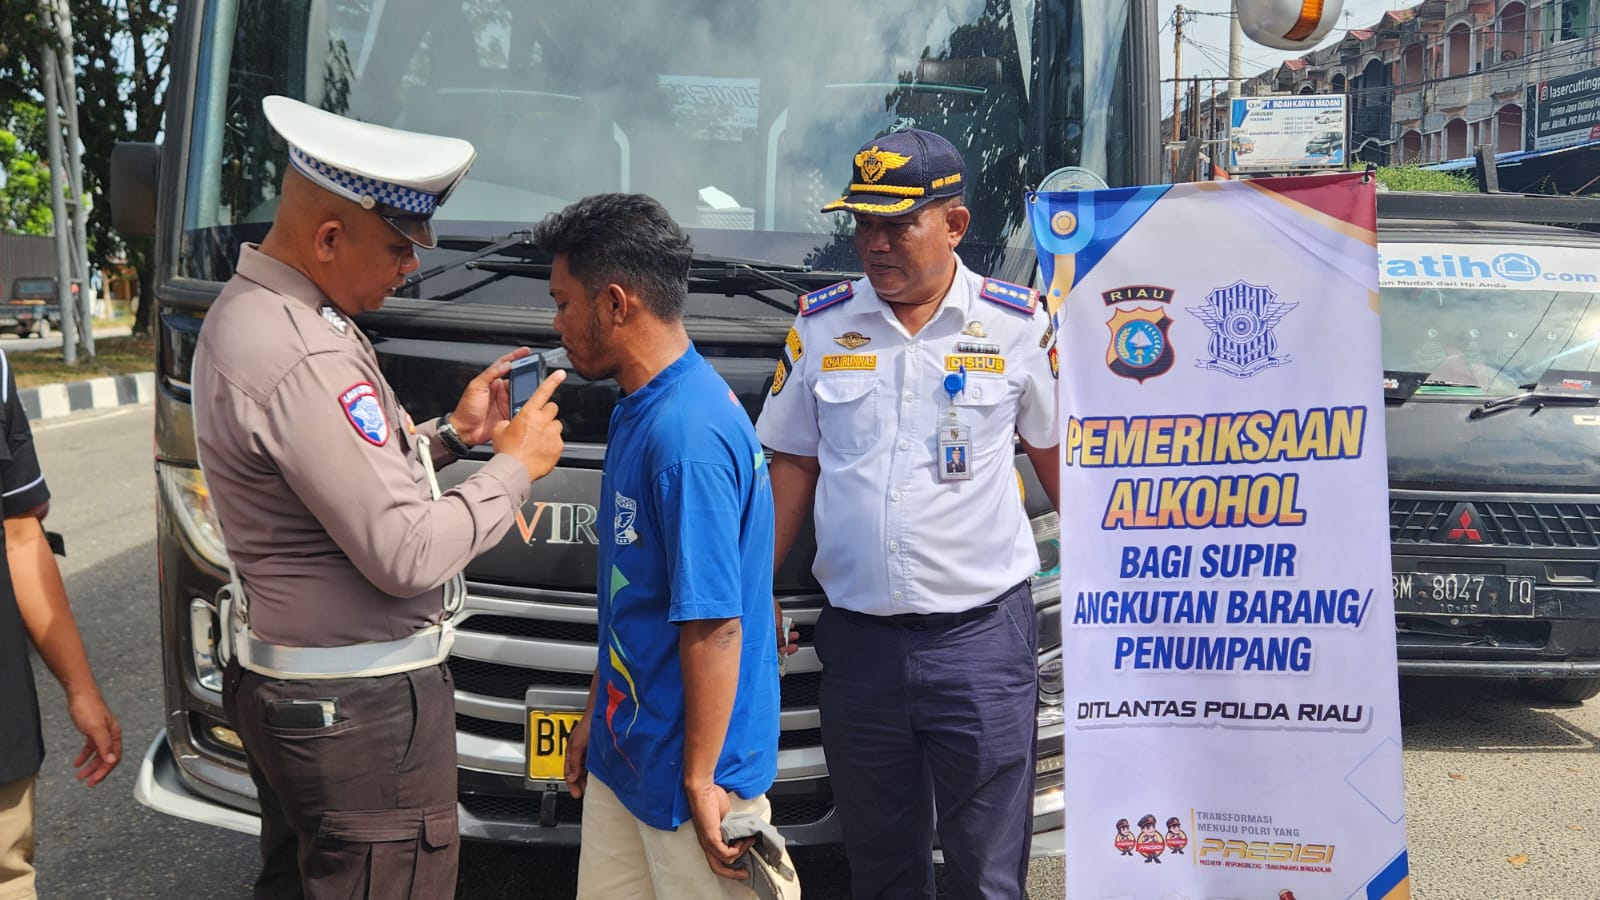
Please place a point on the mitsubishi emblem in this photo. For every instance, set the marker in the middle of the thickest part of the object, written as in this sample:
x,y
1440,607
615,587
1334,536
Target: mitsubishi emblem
x,y
1464,526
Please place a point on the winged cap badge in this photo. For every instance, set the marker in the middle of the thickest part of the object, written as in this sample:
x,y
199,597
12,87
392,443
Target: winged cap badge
x,y
873,163
850,340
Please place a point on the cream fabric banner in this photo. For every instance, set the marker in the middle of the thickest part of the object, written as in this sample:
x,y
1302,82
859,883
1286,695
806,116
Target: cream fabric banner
x,y
1232,720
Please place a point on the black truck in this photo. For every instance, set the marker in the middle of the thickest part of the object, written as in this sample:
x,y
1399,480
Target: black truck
x,y
1491,346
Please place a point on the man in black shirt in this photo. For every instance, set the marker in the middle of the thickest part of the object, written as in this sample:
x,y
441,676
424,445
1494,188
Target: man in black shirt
x,y
34,608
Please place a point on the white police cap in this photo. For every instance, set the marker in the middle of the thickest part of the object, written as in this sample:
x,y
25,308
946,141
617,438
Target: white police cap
x,y
402,175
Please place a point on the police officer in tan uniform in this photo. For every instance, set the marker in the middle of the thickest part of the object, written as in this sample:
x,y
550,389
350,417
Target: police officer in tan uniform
x,y
346,557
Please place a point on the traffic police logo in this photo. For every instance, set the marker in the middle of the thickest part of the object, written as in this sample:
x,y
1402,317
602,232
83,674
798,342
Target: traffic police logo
x,y
361,407
842,362
1139,347
1241,317
873,163
852,340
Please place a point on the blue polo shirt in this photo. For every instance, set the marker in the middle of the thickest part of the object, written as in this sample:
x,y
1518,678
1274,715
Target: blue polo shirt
x,y
685,534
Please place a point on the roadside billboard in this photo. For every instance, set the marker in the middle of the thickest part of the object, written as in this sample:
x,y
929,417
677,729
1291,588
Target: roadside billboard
x,y
1287,133
1563,111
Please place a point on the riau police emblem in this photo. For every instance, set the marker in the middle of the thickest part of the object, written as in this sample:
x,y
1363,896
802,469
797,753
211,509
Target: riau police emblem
x,y
1241,317
1139,347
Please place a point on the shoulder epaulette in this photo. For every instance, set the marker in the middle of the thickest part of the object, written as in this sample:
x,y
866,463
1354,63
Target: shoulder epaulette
x,y
828,296
1022,299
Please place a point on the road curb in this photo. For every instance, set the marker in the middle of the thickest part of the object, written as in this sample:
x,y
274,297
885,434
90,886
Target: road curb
x,y
49,401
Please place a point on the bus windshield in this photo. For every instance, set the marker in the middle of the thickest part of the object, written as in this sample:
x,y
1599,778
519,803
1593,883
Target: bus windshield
x,y
741,118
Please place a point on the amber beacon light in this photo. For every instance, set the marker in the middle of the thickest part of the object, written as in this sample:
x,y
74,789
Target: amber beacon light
x,y
1287,24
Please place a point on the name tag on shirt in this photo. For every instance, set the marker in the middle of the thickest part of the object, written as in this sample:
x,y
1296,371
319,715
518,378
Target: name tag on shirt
x,y
955,453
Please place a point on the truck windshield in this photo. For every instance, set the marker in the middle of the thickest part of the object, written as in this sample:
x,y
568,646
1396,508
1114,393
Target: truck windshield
x,y
1476,331
741,118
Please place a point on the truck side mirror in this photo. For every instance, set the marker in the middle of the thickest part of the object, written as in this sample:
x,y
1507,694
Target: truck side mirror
x,y
135,172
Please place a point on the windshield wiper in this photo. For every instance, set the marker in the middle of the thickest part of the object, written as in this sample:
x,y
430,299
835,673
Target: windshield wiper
x,y
481,247
1574,388
750,277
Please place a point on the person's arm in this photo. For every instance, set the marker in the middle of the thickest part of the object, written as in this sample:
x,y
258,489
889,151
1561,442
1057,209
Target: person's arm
x,y
1047,465
365,493
794,486
708,650
42,600
575,768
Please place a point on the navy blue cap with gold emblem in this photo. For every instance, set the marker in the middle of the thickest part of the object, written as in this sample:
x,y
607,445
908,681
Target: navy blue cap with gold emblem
x,y
901,172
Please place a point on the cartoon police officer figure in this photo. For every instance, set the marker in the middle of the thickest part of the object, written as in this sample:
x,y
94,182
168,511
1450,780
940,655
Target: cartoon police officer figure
x,y
1126,840
1176,838
1151,843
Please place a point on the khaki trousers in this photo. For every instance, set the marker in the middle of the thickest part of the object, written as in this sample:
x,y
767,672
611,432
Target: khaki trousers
x,y
16,840
621,856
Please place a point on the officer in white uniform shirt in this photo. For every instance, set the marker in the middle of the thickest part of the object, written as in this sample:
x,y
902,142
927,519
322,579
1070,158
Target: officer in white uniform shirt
x,y
928,642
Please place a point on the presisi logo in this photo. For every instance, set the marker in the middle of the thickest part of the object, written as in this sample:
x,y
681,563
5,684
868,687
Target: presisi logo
x,y
568,523
1270,854
1519,268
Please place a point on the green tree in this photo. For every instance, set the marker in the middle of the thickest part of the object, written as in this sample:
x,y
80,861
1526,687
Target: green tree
x,y
121,52
25,194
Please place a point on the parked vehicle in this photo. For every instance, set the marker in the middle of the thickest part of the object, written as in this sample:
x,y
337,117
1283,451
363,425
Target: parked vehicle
x,y
1491,346
32,308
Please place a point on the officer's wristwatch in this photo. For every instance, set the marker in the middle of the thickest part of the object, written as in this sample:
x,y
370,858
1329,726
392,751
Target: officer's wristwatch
x,y
450,439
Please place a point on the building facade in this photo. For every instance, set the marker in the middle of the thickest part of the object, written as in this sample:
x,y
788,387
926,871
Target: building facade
x,y
1430,83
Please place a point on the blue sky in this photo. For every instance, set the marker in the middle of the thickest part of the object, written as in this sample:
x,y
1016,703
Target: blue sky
x,y
1205,49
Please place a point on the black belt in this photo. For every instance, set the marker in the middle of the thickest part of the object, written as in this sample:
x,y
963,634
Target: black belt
x,y
931,621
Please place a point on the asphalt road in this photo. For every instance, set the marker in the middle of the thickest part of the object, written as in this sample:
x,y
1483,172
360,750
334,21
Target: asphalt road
x,y
1503,793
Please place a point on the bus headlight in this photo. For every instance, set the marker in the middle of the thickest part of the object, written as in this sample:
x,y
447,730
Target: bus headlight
x,y
190,502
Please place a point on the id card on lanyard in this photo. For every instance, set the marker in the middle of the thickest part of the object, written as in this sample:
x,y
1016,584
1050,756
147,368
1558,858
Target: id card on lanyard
x,y
955,439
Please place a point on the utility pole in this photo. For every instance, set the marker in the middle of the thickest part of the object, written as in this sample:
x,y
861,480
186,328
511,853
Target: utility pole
x,y
66,177
1235,39
1177,66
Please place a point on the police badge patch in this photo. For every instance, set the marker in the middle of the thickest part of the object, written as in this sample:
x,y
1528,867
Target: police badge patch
x,y
1139,347
361,407
1241,317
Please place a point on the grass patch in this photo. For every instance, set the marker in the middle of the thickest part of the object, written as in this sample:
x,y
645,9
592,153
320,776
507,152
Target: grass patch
x,y
112,356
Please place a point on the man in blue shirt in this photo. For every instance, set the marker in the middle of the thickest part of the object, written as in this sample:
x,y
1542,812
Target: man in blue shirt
x,y
682,720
